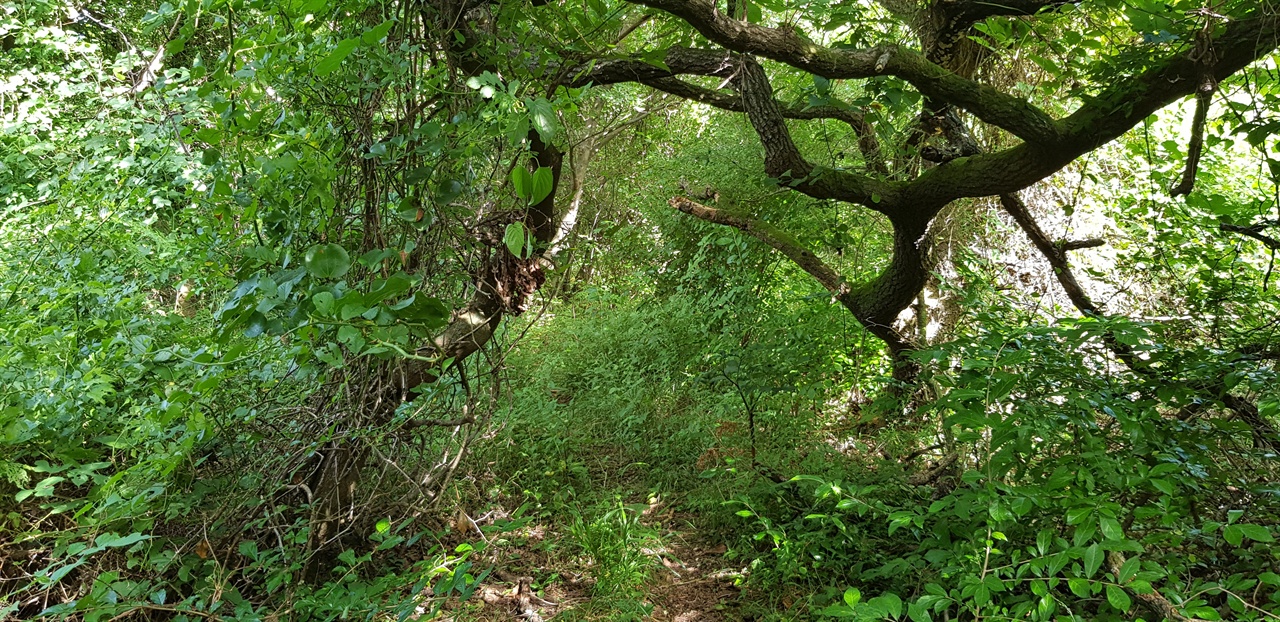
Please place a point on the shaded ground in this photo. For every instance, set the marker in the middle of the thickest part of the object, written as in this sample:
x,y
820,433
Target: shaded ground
x,y
537,577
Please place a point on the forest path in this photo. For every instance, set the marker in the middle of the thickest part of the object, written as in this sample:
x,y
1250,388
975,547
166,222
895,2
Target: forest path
x,y
695,583
689,579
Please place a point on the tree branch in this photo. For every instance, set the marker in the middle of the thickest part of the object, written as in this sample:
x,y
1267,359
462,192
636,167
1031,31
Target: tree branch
x,y
1254,232
868,144
1056,254
784,161
786,45
677,61
875,305
1264,433
770,235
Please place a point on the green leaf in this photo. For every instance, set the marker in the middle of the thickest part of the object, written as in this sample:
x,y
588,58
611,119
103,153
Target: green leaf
x,y
329,63
425,310
522,182
851,596
1118,598
1043,540
544,119
383,526
919,613
541,186
1092,560
888,602
377,33
514,238
256,325
1233,535
327,261
323,302
1077,515
211,156
1079,587
395,285
1129,569
111,540
1257,533
1111,529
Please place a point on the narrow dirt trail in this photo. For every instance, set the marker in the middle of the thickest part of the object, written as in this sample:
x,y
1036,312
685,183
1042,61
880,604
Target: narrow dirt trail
x,y
696,583
690,580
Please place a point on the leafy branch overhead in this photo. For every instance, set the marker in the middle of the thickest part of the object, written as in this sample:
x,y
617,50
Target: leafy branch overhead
x,y
911,200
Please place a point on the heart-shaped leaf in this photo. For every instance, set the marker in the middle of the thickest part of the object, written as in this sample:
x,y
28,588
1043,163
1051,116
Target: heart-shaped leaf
x,y
327,261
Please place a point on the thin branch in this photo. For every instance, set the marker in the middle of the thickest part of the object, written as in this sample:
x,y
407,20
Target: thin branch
x,y
782,242
1255,232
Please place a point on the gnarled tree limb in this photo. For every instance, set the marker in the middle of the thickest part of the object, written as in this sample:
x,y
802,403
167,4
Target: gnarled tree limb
x,y
868,144
786,45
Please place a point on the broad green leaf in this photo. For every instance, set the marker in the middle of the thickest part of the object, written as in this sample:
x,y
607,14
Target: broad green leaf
x,y
514,239
1077,515
327,261
1233,534
1111,529
329,63
323,302
1092,560
541,185
1043,540
544,119
522,182
111,540
1257,533
1118,598
1079,587
919,613
425,310
889,602
1129,569
377,33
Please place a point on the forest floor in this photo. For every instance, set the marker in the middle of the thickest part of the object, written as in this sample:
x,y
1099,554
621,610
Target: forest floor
x,y
689,578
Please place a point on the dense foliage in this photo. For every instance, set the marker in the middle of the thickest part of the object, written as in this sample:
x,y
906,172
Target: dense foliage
x,y
644,309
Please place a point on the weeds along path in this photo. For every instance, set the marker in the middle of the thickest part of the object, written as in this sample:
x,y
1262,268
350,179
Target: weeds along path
x,y
663,570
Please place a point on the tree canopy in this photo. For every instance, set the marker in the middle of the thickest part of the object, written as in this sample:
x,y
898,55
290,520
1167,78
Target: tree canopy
x,y
909,309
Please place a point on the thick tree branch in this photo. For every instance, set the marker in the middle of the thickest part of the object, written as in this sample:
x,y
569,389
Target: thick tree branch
x,y
1075,245
784,161
1056,254
1128,101
876,304
1101,119
786,45
1196,146
1049,145
868,144
959,15
677,61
